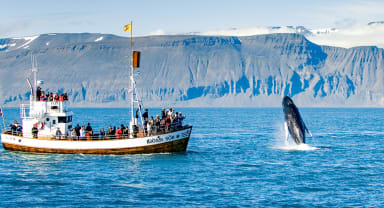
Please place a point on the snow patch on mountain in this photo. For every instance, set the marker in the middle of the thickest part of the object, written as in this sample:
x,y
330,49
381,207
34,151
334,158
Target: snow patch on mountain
x,y
99,39
28,41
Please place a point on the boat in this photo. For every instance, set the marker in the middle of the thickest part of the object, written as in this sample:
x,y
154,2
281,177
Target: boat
x,y
47,127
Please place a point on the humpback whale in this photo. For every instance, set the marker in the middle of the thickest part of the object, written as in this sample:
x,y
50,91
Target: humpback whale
x,y
294,124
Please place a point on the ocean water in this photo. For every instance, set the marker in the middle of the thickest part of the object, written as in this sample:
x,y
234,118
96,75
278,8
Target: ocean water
x,y
236,157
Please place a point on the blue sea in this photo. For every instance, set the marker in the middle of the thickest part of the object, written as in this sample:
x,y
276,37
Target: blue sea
x,y
236,157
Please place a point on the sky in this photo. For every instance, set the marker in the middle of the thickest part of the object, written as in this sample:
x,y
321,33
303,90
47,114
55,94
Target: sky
x,y
20,18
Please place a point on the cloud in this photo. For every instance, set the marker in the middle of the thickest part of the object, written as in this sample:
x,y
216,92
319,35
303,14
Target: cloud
x,y
157,32
250,31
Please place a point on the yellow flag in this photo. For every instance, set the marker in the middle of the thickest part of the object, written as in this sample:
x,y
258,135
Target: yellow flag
x,y
128,27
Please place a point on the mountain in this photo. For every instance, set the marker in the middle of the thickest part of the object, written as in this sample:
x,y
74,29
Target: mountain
x,y
191,70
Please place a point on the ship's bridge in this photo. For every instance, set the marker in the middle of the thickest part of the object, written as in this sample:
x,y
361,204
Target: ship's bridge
x,y
47,116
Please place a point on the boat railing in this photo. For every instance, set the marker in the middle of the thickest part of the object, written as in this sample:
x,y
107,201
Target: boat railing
x,y
24,108
139,134
39,108
56,106
95,137
13,132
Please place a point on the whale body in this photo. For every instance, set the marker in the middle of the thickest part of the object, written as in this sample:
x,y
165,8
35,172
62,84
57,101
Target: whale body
x,y
294,124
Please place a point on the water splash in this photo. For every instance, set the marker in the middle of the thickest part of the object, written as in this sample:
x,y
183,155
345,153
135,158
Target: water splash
x,y
288,145
295,147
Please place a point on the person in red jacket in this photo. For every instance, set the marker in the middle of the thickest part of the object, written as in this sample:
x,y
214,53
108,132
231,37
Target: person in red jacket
x,y
61,98
118,133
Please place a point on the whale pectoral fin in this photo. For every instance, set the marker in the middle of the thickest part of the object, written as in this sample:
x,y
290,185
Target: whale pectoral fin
x,y
307,130
286,131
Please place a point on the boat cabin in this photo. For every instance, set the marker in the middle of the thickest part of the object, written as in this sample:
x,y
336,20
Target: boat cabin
x,y
47,117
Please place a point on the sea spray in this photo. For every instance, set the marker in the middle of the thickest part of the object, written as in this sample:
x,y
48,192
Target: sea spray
x,y
287,145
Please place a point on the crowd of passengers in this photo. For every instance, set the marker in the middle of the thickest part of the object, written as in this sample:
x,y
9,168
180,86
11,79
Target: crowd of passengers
x,y
169,121
49,96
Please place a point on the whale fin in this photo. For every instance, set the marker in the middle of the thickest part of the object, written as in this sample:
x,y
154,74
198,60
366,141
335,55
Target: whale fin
x,y
307,130
286,132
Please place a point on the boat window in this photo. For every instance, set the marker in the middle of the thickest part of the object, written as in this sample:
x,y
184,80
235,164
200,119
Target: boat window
x,y
62,119
53,121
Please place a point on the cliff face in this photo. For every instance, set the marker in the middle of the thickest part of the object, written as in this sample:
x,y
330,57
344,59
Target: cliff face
x,y
194,70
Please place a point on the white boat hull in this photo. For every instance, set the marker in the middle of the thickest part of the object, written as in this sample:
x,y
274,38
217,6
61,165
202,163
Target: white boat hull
x,y
171,142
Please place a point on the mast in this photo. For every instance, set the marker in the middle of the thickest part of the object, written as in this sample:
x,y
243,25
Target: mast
x,y
134,63
34,70
132,80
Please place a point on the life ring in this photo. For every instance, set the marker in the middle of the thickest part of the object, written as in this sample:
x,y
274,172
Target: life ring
x,y
41,125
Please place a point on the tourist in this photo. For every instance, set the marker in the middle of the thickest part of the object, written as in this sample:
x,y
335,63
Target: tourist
x,y
58,133
73,134
38,93
82,132
163,116
122,127
102,133
173,120
34,130
170,112
19,128
88,129
65,96
179,120
126,132
61,98
77,129
135,130
114,130
145,117
168,123
43,97
149,126
14,127
162,124
118,133
109,132
157,122
50,97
